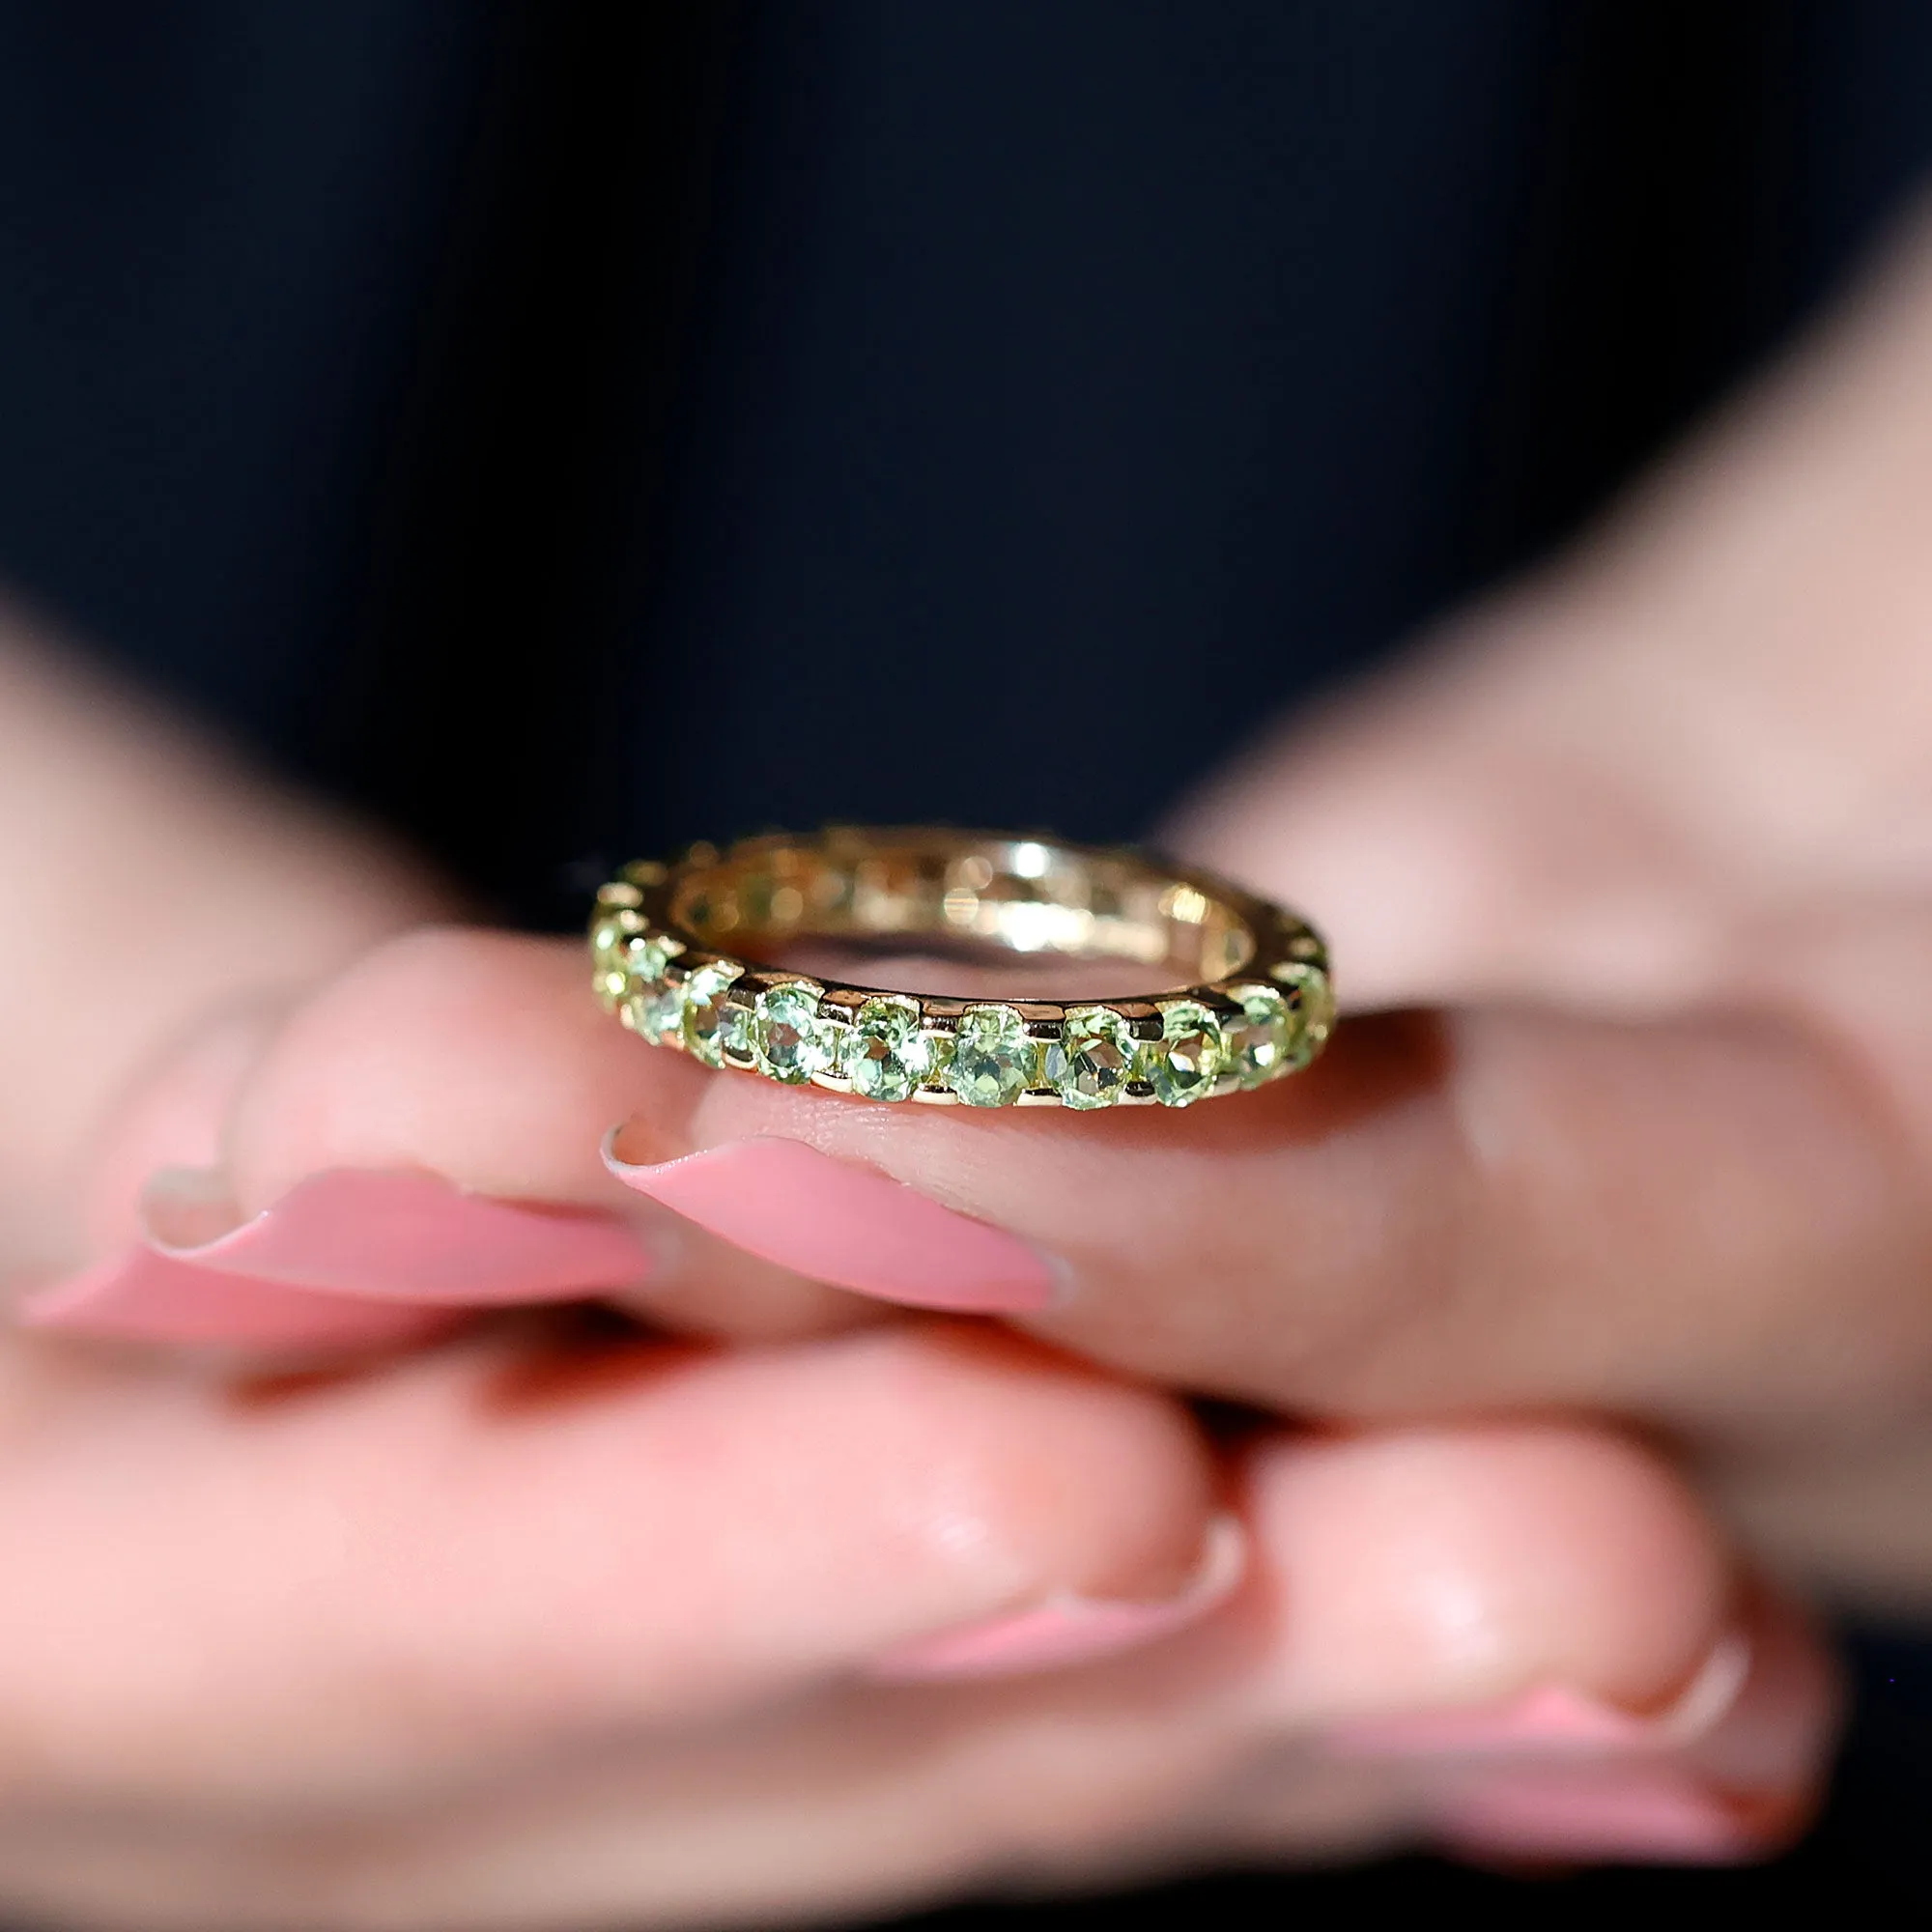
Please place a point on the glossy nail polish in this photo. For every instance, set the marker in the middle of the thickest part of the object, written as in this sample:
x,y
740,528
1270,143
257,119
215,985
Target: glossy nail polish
x,y
851,1226
145,1297
344,1255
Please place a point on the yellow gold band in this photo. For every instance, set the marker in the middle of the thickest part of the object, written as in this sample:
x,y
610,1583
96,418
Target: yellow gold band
x,y
673,947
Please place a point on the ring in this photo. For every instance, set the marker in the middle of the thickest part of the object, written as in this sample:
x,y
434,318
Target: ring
x,y
673,944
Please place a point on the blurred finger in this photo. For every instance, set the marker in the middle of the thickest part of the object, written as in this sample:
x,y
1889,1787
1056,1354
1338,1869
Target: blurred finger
x,y
1713,712
1426,1609
490,1553
1730,1771
1617,1694
417,1139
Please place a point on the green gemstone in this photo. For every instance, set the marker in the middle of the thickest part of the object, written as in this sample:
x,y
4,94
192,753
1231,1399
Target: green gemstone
x,y
1092,1060
655,1006
1183,1064
609,988
704,1010
1310,995
833,1032
1319,1015
610,972
1257,1042
936,1051
734,1033
993,1060
884,1053
657,1011
607,938
648,956
789,1036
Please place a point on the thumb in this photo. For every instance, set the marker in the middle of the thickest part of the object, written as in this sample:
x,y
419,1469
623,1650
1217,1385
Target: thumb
x,y
1599,787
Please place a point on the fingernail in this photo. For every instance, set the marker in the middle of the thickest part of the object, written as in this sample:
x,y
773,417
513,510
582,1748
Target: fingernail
x,y
835,1221
145,1297
1556,1719
1069,1629
1651,1817
345,1256
1731,1770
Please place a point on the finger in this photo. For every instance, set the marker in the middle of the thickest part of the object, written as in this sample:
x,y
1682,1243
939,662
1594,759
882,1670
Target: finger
x,y
1680,1788
1596,788
488,1554
119,819
1693,1222
1426,1608
1680,775
1586,1678
417,1138
1669,792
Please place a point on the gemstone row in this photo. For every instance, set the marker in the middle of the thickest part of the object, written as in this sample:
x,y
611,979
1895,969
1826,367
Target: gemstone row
x,y
1178,1049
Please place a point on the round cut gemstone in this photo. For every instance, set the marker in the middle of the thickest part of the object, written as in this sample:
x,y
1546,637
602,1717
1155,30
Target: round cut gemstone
x,y
832,1032
789,1036
1257,1042
704,1010
884,1053
734,1033
1092,1060
993,1060
935,1051
609,966
655,1008
1310,1011
648,956
1184,1063
657,1011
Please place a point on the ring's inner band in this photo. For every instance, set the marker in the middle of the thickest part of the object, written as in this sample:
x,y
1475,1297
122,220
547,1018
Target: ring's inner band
x,y
947,892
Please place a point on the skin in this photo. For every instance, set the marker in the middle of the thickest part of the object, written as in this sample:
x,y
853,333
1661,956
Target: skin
x,y
1591,1263
1627,877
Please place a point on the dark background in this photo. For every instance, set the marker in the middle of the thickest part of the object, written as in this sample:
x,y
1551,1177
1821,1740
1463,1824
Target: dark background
x,y
564,430
568,428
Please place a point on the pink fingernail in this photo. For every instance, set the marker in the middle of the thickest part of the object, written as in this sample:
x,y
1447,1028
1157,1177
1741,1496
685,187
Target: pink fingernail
x,y
837,1222
344,1258
146,1296
1657,1815
1554,1720
1068,1629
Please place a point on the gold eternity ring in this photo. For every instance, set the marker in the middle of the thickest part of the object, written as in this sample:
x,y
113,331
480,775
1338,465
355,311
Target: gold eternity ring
x,y
674,947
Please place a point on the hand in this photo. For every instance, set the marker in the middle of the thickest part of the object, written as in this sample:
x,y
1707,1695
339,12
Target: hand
x,y
547,1622
518,1632
1628,882
551,1622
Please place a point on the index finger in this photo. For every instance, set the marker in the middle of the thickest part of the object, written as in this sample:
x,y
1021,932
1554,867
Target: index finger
x,y
418,1137
1682,1220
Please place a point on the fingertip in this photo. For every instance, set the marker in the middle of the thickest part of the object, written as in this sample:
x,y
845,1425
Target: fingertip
x,y
1733,1772
1070,1628
477,1056
1105,1486
344,1259
1435,1569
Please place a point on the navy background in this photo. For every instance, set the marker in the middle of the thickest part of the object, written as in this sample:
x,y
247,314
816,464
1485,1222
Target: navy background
x,y
563,430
